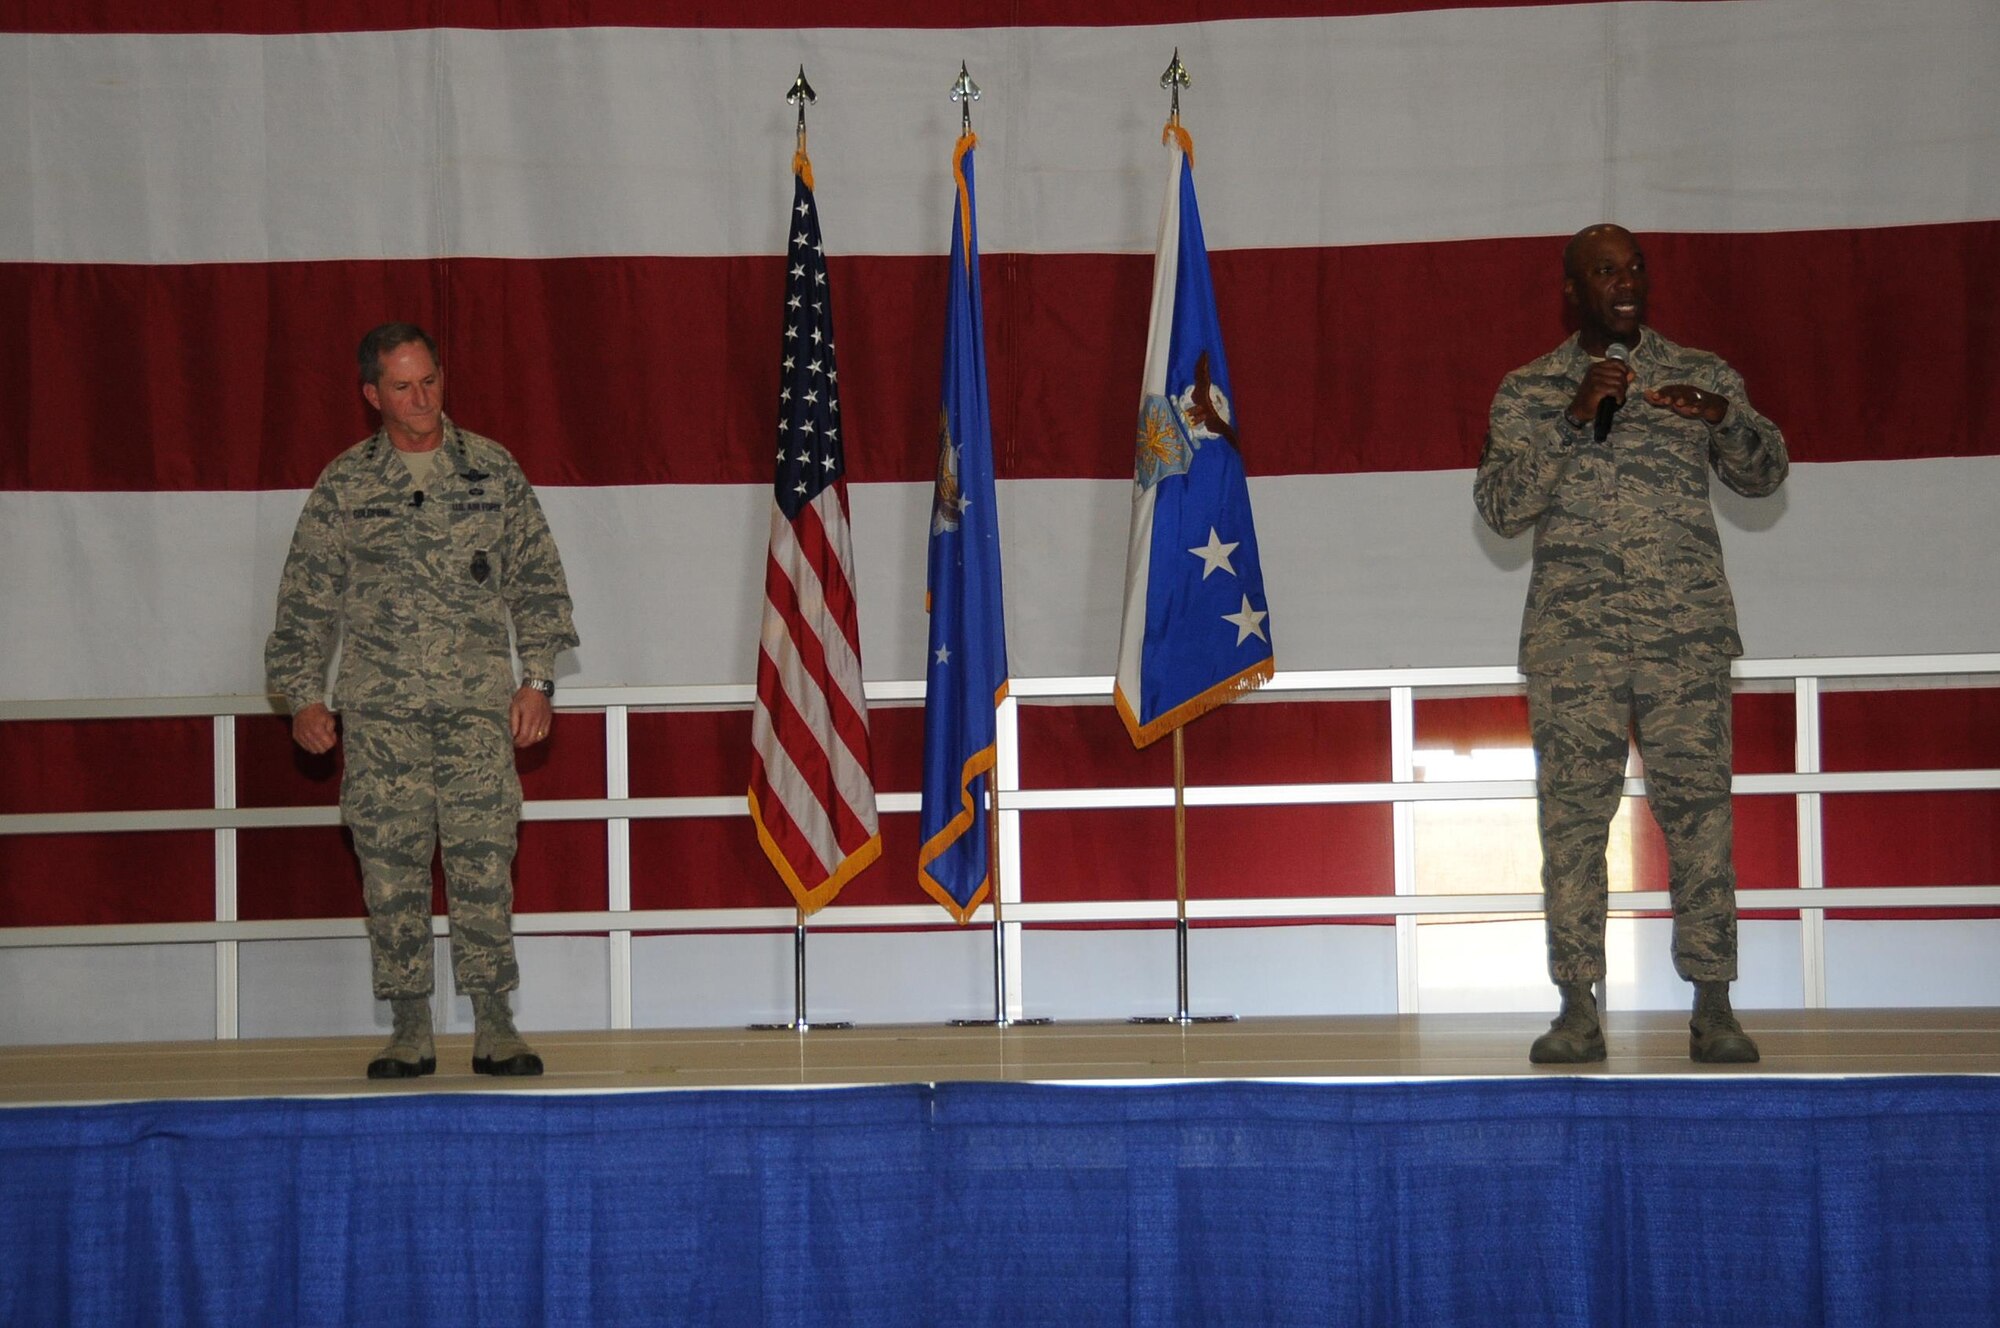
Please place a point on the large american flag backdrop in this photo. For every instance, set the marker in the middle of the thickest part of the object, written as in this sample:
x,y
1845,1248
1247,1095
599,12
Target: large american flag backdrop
x,y
203,203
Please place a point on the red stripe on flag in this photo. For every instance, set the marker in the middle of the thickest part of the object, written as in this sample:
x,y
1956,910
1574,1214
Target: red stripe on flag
x,y
817,746
838,591
842,613
807,745
784,839
1370,358
775,823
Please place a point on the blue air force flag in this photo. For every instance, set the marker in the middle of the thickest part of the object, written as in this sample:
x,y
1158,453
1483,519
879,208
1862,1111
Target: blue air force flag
x,y
965,676
1197,631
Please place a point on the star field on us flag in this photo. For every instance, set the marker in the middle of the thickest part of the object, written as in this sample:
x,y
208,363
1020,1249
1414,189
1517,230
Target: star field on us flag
x,y
809,449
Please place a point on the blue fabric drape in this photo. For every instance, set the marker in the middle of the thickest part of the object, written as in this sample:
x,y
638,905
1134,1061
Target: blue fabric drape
x,y
1533,1201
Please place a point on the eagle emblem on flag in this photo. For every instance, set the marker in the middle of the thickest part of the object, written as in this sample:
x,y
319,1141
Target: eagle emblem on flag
x,y
948,502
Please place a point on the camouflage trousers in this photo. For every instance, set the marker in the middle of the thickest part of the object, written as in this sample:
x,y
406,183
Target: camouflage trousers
x,y
1580,719
415,782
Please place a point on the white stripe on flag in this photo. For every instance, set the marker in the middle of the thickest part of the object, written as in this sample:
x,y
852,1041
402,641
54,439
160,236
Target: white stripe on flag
x,y
843,666
788,786
843,669
1443,125
170,594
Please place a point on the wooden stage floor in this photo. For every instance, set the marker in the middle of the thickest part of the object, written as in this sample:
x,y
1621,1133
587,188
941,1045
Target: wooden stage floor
x,y
1385,1047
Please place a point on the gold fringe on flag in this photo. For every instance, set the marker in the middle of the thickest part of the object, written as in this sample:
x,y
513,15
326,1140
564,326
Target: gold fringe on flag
x,y
1194,707
966,143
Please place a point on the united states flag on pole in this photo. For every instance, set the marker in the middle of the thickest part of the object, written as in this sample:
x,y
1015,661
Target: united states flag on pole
x,y
1196,632
965,675
811,792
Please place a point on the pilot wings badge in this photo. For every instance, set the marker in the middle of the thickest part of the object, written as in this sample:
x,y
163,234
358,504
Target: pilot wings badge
x,y
1164,447
1172,430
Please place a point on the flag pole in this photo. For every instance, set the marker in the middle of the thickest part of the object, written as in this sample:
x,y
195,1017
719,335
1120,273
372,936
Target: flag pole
x,y
801,95
1174,79
965,92
799,1020
993,873
1180,858
1180,1014
1000,1018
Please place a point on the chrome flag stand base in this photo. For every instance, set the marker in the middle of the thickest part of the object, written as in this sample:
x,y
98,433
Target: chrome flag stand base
x,y
999,1019
799,1023
1180,1015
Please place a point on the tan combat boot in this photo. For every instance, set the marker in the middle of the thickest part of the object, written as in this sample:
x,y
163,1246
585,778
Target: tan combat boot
x,y
496,1047
410,1052
1714,1036
1574,1037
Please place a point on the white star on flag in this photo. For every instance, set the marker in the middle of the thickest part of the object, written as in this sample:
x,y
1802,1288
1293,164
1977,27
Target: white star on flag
x,y
1214,554
1249,622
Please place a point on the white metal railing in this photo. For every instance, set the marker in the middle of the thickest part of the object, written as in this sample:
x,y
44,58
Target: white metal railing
x,y
1807,784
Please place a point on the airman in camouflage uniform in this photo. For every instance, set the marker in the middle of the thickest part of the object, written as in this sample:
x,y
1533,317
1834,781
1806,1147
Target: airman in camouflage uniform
x,y
1629,625
417,551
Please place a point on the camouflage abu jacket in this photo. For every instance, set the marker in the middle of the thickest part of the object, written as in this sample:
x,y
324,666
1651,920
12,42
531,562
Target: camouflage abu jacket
x,y
420,593
1627,558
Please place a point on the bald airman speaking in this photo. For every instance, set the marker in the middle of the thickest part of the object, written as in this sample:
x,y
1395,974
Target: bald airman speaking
x,y
1604,447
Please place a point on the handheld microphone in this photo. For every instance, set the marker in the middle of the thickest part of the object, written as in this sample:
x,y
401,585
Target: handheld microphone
x,y
1609,405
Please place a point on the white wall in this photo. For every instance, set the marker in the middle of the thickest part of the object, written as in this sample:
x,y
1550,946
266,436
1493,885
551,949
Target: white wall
x,y
320,988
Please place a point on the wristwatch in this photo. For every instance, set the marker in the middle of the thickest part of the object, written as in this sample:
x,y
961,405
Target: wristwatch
x,y
545,686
